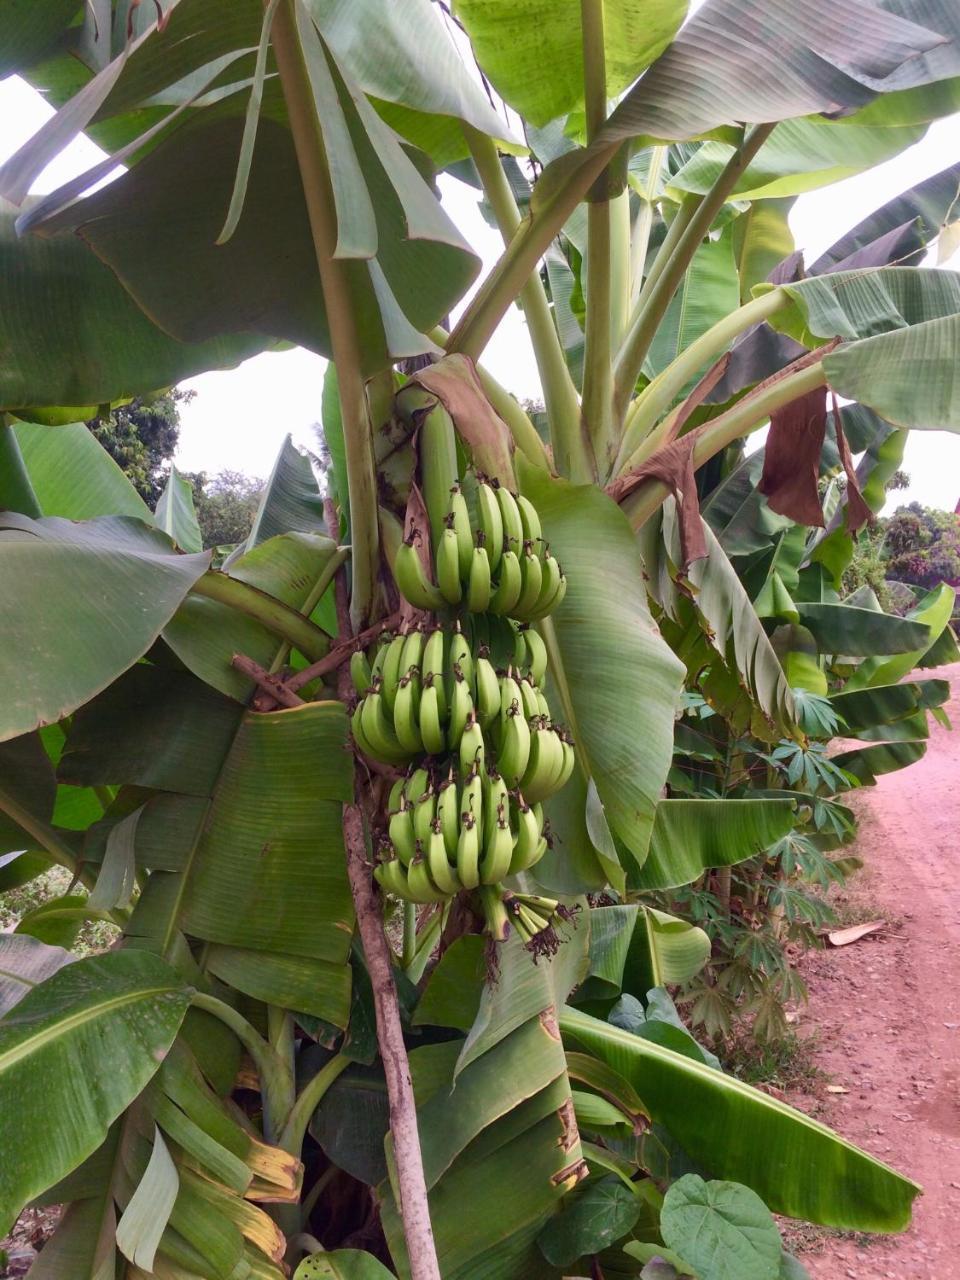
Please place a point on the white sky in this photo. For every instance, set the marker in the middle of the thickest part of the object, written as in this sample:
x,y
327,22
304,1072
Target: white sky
x,y
239,418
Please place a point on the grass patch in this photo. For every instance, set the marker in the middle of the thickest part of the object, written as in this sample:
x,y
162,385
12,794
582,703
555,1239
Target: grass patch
x,y
788,1063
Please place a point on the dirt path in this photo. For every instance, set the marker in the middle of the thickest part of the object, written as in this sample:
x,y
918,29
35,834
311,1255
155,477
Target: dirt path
x,y
886,1013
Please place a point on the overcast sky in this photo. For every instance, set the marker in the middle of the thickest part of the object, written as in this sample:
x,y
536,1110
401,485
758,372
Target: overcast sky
x,y
239,418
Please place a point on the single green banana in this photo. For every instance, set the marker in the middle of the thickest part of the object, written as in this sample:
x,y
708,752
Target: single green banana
x,y
488,692
378,730
479,589
471,801
532,582
391,876
512,523
406,722
461,655
359,737
514,747
549,587
433,667
460,517
461,708
441,872
543,906
468,852
533,922
495,913
536,655
417,785
509,584
543,706
419,885
395,799
543,765
569,760
491,522
510,696
437,447
448,814
554,603
496,802
531,707
402,837
528,838
448,566
376,667
471,747
497,854
392,670
412,581
424,812
431,729
412,654
360,672
530,519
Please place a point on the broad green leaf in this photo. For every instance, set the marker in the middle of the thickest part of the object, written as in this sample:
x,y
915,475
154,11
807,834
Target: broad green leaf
x,y
770,60
123,1008
635,948
70,628
342,1264
117,879
691,835
532,50
524,990
98,345
710,291
291,501
292,982
872,372
881,704
868,763
352,1121
27,782
744,1135
929,202
593,1219
799,156
453,991
761,239
856,305
933,611
176,515
146,1216
723,1228
607,657
513,1071
861,633
25,962
57,921
721,611
83,1244
205,634
29,31
676,951
73,475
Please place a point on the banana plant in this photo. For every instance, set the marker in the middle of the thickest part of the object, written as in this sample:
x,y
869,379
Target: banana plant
x,y
344,797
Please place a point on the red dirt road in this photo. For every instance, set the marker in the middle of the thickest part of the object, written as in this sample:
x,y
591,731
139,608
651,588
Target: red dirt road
x,y
887,1010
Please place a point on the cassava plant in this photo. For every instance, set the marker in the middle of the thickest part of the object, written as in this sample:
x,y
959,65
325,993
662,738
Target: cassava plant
x,y
370,802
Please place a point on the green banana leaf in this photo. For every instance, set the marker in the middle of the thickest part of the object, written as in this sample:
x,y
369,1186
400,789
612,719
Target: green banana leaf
x,y
868,763
26,34
99,346
690,836
861,633
933,611
291,501
532,51
634,948
70,630
721,613
881,704
175,513
761,239
606,655
125,1005
25,963
73,475
341,1264
747,1136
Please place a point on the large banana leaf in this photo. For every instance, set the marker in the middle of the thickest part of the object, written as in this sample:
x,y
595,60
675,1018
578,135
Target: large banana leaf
x,y
933,611
761,60
861,633
882,704
98,345
691,835
867,763
29,31
70,626
532,51
634,948
722,613
291,500
25,962
73,475
123,1008
739,1133
607,657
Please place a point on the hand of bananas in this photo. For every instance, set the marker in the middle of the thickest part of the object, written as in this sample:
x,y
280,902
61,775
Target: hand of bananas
x,y
469,833
503,566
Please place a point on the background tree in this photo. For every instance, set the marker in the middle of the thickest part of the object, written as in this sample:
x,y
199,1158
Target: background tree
x,y
142,437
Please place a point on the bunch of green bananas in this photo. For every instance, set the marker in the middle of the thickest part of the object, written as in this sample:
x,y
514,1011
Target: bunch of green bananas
x,y
460,833
428,695
502,567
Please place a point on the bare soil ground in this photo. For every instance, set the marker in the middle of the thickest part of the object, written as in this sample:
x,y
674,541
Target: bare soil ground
x,y
884,1015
